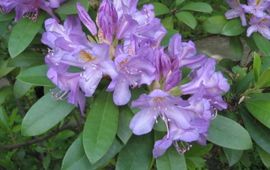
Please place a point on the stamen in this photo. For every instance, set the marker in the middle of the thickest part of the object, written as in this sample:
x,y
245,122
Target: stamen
x,y
2,9
86,56
59,94
32,14
50,52
183,148
214,114
166,121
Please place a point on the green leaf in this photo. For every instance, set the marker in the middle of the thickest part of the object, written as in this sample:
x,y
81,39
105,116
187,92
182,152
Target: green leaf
x,y
6,17
257,66
262,43
237,48
232,28
20,88
27,59
160,9
258,132
187,18
167,37
199,150
4,68
22,35
76,159
259,106
233,156
3,118
69,7
160,126
124,132
35,76
5,93
179,2
229,134
137,154
265,157
100,127
198,6
215,24
44,114
168,22
171,160
114,149
264,79
195,163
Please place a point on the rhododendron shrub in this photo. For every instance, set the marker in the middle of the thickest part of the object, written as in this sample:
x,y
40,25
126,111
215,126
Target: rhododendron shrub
x,y
121,84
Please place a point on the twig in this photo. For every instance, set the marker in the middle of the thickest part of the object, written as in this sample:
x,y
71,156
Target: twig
x,y
36,140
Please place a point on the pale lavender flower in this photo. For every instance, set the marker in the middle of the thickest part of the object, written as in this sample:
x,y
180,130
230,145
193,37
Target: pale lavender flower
x,y
149,29
68,36
162,63
257,7
209,83
157,104
167,69
86,19
144,28
29,8
67,83
71,48
236,11
107,20
186,121
199,115
261,25
132,71
125,6
185,52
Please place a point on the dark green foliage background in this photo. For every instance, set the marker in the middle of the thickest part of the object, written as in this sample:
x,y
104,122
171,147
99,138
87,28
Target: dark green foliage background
x,y
37,132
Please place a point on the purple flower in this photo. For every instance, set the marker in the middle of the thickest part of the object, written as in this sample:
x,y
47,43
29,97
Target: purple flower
x,y
199,115
149,29
261,25
209,83
167,69
68,84
71,49
125,6
162,63
67,37
141,28
185,52
86,19
186,121
257,7
7,5
107,20
236,11
29,8
96,64
132,71
157,104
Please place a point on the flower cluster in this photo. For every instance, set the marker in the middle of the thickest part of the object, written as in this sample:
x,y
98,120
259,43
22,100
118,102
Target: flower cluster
x,y
29,8
257,12
124,46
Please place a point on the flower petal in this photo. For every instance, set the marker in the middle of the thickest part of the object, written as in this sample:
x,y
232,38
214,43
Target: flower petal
x,y
90,80
86,19
143,122
161,146
121,95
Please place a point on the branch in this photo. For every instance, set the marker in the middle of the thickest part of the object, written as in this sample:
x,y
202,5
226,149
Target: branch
x,y
37,140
